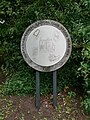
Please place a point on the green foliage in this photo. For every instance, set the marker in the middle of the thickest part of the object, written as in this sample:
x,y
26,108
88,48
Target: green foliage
x,y
20,83
86,104
17,15
84,73
71,94
1,115
22,117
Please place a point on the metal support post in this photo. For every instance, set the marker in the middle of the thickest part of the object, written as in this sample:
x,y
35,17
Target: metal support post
x,y
38,90
55,89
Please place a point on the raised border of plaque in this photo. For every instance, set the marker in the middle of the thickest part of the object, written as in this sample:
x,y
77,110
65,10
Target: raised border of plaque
x,y
27,58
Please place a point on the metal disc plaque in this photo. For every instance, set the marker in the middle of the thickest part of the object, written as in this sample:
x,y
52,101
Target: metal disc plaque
x,y
46,45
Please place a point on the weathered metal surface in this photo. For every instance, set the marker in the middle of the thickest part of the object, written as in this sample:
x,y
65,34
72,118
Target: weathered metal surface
x,y
38,90
46,45
55,89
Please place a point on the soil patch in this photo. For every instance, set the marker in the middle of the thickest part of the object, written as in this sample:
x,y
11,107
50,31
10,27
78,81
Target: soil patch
x,y
23,108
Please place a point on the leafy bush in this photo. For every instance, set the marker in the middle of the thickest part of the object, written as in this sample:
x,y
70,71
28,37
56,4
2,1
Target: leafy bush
x,y
84,74
16,15
86,104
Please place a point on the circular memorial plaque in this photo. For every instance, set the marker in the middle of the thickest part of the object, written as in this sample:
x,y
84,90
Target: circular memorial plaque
x,y
46,45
